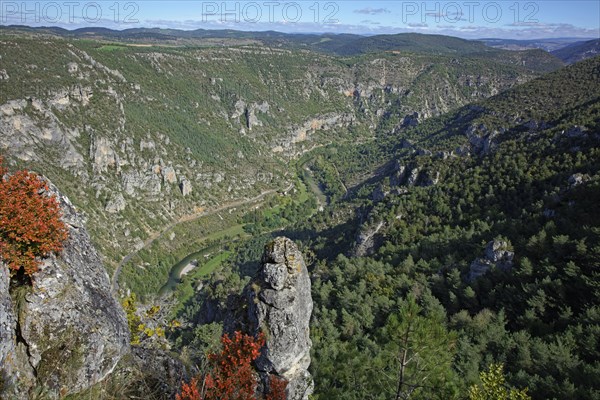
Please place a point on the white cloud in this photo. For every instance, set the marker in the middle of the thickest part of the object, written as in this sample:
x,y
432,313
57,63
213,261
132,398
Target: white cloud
x,y
370,22
372,11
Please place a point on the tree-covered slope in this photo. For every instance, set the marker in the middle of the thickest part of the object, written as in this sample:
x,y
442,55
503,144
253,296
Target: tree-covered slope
x,y
578,51
520,170
470,239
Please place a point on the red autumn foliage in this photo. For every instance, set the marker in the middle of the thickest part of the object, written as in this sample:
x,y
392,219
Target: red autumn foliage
x,y
189,391
277,387
233,377
30,224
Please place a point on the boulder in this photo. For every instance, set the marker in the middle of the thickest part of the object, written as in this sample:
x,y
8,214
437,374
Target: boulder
x,y
72,67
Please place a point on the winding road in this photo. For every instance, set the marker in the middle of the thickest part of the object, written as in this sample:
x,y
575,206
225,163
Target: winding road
x,y
187,218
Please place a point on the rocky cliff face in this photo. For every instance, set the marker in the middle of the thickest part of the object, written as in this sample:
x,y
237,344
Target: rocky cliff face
x,y
141,139
65,332
496,255
280,305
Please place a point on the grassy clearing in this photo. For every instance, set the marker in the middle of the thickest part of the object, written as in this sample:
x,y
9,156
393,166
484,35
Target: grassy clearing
x,y
112,47
211,265
233,231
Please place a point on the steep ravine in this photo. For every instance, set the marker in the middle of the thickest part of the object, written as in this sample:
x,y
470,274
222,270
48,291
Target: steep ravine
x,y
139,138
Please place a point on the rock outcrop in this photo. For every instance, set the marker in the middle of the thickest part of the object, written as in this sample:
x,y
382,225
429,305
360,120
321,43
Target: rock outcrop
x,y
411,120
366,241
280,305
496,255
116,204
162,372
577,179
481,139
186,187
169,175
412,175
65,332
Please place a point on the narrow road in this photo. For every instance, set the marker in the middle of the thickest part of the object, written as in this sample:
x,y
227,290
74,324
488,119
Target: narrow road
x,y
187,218
340,179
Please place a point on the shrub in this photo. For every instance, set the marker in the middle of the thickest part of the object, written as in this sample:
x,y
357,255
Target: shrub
x,y
232,376
30,221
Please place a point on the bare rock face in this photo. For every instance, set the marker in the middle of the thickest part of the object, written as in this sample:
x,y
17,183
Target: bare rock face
x,y
116,204
280,305
102,153
496,256
186,187
366,240
65,332
14,366
169,175
413,176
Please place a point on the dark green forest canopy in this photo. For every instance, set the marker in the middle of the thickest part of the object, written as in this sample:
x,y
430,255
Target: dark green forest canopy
x,y
533,189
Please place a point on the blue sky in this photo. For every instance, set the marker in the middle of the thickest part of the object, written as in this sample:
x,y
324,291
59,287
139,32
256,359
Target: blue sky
x,y
468,19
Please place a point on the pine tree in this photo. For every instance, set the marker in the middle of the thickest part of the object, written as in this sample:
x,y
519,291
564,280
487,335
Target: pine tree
x,y
493,387
420,351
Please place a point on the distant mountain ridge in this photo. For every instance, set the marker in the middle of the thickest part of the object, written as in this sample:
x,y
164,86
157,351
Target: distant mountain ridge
x,y
550,45
578,51
429,151
338,44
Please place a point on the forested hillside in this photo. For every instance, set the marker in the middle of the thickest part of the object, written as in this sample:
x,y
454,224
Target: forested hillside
x,y
474,239
442,194
578,51
141,135
529,186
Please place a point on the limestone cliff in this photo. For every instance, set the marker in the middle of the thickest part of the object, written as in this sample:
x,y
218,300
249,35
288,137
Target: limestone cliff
x,y
280,305
497,255
134,151
65,331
